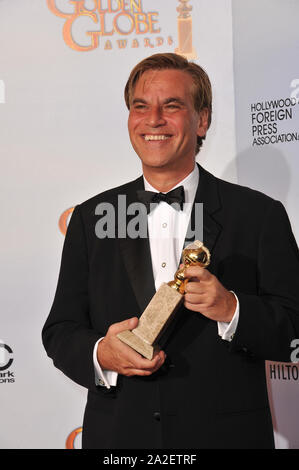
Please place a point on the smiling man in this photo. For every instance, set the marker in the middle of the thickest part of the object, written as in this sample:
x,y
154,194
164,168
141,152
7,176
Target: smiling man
x,y
164,125
206,387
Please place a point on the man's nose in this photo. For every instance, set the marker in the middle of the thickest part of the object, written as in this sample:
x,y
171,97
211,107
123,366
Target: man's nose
x,y
155,117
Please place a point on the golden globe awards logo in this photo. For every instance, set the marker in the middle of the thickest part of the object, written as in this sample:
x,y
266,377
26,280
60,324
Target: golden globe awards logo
x,y
109,24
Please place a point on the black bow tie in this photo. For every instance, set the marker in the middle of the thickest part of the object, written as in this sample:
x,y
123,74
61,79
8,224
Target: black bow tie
x,y
149,197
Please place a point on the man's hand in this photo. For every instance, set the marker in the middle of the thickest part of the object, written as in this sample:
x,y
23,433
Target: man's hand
x,y
205,294
115,355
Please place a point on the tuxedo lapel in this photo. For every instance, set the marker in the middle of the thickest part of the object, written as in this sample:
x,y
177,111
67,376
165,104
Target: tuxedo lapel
x,y
137,257
207,194
136,251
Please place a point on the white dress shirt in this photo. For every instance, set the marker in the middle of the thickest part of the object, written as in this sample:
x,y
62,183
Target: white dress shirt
x,y
167,229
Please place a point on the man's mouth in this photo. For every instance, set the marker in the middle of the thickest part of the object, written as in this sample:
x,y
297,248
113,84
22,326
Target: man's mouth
x,y
155,137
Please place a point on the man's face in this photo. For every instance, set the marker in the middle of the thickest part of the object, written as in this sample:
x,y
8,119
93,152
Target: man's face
x,y
163,124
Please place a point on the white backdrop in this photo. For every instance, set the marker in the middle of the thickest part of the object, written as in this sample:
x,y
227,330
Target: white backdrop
x,y
266,78
63,125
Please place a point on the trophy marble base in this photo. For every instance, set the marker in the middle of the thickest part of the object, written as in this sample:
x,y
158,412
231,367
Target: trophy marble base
x,y
153,321
140,345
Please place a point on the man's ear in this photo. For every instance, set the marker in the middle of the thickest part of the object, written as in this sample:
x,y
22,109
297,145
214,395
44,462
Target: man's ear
x,y
203,122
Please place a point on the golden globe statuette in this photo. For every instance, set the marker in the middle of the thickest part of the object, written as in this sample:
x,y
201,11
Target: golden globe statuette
x,y
164,304
185,31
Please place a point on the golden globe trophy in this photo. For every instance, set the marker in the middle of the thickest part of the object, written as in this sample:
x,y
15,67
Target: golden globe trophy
x,y
166,301
185,31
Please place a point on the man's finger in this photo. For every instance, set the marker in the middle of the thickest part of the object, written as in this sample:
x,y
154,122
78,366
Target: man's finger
x,y
140,362
194,299
132,359
197,272
140,372
128,324
195,288
153,365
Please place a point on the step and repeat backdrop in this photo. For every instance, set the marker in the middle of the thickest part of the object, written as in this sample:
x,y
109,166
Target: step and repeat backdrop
x,y
266,77
63,128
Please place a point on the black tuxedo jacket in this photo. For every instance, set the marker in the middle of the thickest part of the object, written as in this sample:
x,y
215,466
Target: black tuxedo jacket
x,y
210,393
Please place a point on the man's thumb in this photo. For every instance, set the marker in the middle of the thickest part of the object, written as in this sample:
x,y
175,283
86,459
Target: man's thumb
x,y
128,324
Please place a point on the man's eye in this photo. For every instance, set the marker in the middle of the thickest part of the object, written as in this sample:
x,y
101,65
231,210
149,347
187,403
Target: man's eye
x,y
139,106
172,106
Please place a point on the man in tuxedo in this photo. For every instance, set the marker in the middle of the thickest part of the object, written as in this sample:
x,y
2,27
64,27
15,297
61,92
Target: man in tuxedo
x,y
206,387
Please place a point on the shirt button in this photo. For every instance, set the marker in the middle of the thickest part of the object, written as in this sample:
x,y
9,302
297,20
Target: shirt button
x,y
163,265
164,225
157,416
